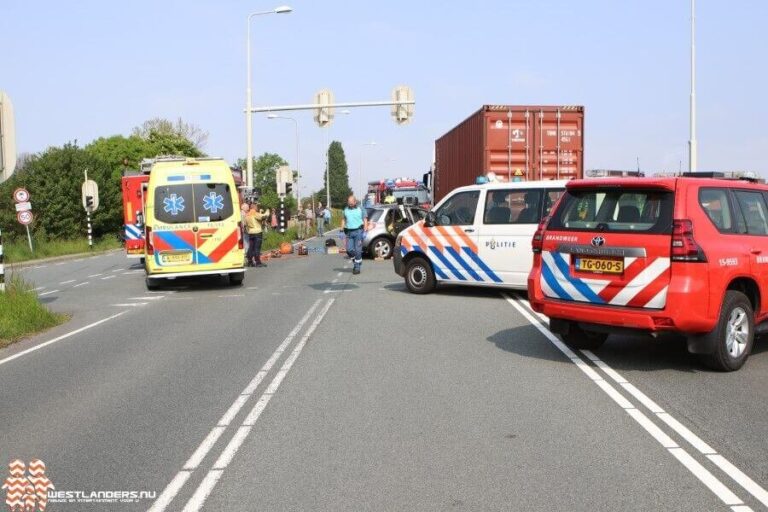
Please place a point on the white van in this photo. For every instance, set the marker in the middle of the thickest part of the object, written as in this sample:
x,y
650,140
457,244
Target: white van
x,y
477,235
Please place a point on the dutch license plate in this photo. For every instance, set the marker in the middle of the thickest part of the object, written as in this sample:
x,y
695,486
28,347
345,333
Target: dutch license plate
x,y
600,266
176,258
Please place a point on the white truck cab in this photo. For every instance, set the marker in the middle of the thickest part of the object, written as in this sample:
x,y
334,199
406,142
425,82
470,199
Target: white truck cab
x,y
477,235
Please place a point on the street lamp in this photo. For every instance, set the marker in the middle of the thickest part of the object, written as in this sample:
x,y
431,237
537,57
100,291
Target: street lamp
x,y
693,148
298,169
283,9
362,148
344,112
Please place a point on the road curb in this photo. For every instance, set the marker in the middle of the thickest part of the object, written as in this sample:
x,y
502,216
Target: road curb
x,y
32,263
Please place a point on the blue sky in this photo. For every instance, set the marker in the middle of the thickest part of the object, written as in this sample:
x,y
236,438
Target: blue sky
x,y
82,69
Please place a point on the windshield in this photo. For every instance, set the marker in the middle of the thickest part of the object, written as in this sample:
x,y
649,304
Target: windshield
x,y
617,210
203,202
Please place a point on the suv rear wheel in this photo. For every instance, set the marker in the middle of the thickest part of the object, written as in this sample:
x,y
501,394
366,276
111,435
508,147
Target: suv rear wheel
x,y
381,247
419,276
576,337
733,336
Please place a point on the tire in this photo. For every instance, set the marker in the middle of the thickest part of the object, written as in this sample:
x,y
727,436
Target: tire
x,y
733,336
578,338
381,245
419,276
152,284
236,279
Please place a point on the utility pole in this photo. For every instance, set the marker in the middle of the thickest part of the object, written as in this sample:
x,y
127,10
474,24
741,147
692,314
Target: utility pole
x,y
693,143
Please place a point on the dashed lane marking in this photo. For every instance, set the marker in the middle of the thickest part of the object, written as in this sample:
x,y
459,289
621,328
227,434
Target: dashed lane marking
x,y
78,285
95,275
48,293
130,304
107,277
67,282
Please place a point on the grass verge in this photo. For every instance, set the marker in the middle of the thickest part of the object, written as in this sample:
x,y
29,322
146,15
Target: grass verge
x,y
21,314
18,251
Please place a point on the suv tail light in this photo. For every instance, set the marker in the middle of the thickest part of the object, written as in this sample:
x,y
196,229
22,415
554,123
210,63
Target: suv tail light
x,y
239,235
537,242
148,240
684,246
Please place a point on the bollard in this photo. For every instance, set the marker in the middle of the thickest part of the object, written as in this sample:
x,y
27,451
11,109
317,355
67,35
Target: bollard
x,y
2,266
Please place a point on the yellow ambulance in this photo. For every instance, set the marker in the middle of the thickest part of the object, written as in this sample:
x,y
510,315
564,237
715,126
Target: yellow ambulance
x,y
193,224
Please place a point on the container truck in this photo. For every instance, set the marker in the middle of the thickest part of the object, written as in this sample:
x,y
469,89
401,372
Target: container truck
x,y
514,142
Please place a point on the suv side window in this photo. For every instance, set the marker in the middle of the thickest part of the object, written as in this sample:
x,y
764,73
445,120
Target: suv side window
x,y
459,209
715,202
550,198
752,206
513,206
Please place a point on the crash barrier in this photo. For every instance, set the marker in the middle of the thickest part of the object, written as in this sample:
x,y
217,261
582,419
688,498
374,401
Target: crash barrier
x,y
2,266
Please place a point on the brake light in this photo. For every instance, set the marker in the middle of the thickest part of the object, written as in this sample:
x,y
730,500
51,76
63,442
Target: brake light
x,y
148,240
537,242
239,235
684,246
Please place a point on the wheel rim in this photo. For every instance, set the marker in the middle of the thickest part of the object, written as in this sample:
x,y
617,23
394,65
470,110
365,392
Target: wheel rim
x,y
737,332
418,276
381,248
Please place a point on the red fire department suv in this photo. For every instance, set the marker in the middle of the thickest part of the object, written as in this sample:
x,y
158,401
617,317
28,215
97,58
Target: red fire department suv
x,y
686,254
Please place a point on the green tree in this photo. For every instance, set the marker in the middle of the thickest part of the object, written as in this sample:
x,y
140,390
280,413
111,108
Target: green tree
x,y
265,178
338,174
178,130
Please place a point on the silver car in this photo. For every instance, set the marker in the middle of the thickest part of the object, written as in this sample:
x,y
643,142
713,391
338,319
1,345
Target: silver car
x,y
386,221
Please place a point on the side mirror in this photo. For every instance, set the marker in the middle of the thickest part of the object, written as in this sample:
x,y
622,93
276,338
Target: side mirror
x,y
139,218
430,220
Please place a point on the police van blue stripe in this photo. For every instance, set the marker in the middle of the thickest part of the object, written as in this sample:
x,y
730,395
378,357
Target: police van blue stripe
x,y
463,263
439,273
577,283
480,263
447,264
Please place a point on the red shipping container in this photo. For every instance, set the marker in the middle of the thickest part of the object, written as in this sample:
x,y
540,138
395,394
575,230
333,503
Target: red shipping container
x,y
513,141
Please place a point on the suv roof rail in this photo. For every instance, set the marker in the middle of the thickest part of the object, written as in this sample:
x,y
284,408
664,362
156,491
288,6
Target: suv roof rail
x,y
613,173
731,175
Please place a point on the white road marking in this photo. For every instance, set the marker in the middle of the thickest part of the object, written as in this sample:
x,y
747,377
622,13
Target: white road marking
x,y
39,288
231,295
197,500
252,288
107,277
152,297
340,274
67,282
78,285
59,338
130,304
708,479
48,293
117,270
95,275
59,263
210,440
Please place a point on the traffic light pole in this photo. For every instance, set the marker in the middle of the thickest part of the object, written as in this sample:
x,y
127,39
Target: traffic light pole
x,y
2,266
90,231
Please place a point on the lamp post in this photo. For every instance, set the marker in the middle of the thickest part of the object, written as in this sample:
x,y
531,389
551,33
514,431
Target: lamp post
x,y
693,145
298,169
248,100
327,163
360,178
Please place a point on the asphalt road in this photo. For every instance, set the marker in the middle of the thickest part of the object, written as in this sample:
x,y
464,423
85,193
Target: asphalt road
x,y
312,389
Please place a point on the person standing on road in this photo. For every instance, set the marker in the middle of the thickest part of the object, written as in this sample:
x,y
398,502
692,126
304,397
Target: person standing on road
x,y
354,222
320,216
308,214
253,225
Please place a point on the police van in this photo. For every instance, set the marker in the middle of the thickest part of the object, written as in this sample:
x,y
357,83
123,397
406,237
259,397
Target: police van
x,y
193,223
477,235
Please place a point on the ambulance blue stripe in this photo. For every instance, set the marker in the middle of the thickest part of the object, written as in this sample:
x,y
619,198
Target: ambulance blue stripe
x,y
480,263
202,259
447,263
173,240
416,248
549,277
577,283
176,178
205,176
463,263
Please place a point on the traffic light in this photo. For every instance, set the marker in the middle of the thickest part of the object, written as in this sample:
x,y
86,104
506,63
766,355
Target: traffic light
x,y
89,202
288,188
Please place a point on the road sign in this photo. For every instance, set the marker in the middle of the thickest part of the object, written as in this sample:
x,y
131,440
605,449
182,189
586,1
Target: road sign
x,y
324,115
22,207
25,218
90,195
20,195
7,138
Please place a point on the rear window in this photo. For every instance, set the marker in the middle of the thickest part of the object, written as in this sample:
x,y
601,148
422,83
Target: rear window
x,y
201,202
374,214
615,210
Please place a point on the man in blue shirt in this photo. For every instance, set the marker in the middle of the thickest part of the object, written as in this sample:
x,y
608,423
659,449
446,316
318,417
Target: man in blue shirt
x,y
355,223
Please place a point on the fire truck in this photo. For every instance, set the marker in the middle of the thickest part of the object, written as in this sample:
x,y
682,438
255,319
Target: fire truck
x,y
409,190
134,186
